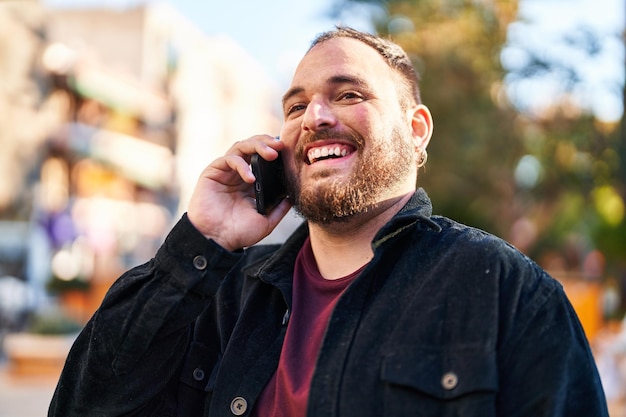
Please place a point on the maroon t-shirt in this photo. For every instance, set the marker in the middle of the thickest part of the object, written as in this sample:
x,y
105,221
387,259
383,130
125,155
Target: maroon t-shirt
x,y
314,297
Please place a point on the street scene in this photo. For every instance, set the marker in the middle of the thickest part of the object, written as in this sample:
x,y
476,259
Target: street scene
x,y
108,116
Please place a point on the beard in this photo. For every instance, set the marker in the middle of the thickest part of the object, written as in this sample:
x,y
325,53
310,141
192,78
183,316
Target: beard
x,y
377,170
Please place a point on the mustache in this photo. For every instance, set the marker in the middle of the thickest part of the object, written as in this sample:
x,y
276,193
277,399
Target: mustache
x,y
327,134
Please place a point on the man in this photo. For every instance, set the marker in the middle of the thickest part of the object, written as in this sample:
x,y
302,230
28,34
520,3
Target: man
x,y
373,307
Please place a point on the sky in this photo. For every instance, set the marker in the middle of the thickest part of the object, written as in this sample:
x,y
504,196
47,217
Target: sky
x,y
603,74
278,32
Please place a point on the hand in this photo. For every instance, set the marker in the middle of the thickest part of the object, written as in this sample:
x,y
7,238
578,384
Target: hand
x,y
222,205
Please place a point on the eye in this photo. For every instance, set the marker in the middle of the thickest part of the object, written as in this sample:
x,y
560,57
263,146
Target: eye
x,y
350,97
295,108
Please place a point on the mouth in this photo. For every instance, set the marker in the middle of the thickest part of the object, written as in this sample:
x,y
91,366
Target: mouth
x,y
324,152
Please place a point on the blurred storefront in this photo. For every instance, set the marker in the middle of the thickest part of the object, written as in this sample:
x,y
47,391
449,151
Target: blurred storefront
x,y
108,117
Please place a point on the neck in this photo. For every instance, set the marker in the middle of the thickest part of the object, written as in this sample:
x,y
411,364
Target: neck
x,y
341,248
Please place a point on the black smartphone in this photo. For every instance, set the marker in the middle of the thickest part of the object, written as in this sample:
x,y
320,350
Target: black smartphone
x,y
269,186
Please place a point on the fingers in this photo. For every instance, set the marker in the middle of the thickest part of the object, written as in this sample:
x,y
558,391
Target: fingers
x,y
265,145
241,166
222,206
237,158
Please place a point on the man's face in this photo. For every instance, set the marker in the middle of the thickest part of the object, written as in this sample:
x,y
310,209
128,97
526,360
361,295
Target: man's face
x,y
349,143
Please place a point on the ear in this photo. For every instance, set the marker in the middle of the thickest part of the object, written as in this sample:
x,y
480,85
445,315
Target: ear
x,y
422,126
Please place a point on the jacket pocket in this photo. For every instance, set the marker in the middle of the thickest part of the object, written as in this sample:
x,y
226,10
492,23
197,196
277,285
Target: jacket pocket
x,y
440,382
199,368
197,380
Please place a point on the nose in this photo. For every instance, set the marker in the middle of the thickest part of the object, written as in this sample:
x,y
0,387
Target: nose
x,y
318,115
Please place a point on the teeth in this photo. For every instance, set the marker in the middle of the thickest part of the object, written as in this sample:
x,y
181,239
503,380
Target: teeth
x,y
323,152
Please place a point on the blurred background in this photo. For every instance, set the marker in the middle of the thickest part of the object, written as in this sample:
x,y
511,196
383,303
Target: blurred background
x,y
109,110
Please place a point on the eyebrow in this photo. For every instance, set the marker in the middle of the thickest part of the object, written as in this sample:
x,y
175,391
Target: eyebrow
x,y
334,80
294,91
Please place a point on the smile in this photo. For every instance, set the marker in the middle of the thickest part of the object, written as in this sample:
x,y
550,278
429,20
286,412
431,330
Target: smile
x,y
327,152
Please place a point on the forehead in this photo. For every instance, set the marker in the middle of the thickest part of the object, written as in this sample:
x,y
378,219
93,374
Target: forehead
x,y
341,56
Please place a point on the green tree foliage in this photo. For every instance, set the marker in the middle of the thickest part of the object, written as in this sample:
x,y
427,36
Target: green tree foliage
x,y
577,203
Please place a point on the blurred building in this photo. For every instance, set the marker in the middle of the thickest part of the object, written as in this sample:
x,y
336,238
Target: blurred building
x,y
108,117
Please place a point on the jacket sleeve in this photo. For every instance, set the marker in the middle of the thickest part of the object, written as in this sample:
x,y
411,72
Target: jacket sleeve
x,y
547,368
135,342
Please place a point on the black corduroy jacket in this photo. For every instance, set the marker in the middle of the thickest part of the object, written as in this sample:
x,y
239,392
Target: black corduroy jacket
x,y
446,320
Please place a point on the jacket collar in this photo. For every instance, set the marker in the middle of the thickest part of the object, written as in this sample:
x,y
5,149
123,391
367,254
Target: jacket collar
x,y
417,209
279,265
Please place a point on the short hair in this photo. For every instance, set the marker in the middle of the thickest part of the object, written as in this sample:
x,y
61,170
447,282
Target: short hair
x,y
391,52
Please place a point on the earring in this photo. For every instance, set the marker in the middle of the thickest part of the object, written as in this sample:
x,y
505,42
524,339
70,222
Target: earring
x,y
423,158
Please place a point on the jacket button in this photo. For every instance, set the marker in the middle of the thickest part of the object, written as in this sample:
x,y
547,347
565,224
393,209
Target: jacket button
x,y
200,262
449,381
198,374
238,406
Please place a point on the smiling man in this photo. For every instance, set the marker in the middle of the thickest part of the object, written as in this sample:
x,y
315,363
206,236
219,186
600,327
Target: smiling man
x,y
345,101
373,307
